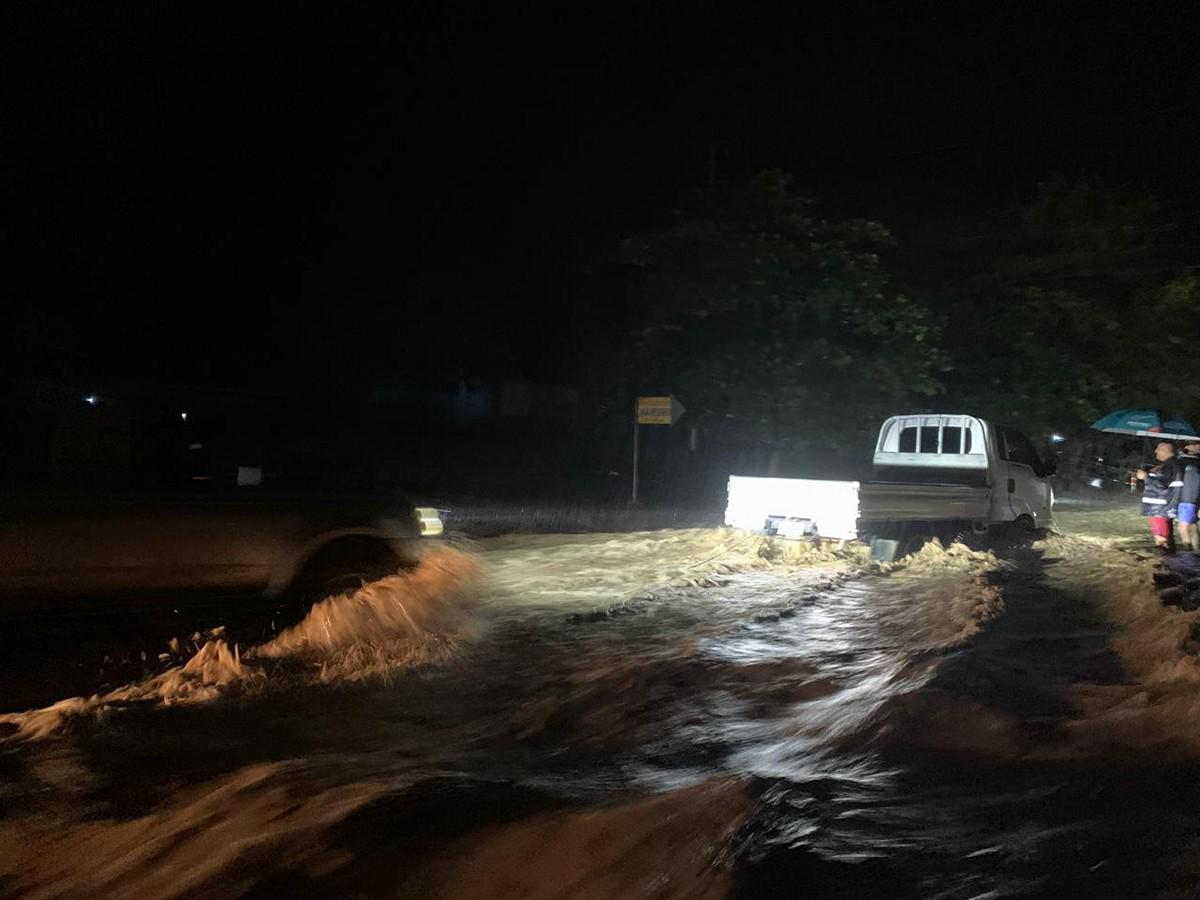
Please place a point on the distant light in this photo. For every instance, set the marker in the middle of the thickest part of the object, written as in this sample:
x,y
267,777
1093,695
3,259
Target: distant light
x,y
91,399
195,446
1057,438
1095,482
183,416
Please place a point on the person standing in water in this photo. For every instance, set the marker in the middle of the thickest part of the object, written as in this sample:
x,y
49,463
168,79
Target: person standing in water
x,y
1160,497
1188,462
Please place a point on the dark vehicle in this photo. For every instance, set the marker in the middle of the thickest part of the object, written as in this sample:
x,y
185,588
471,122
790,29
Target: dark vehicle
x,y
248,541
131,500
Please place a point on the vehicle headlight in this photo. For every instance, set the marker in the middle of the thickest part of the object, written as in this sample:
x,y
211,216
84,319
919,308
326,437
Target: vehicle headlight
x,y
429,521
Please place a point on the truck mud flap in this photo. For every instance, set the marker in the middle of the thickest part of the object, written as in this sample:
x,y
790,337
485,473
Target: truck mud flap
x,y
884,549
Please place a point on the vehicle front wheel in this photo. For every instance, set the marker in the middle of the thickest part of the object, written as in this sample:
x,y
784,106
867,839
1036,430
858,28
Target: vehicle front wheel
x,y
338,568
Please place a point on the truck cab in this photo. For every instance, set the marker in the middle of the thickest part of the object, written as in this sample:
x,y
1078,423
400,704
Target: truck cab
x,y
962,449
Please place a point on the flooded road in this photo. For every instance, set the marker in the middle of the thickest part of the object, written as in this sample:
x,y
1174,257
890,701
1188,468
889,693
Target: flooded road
x,y
668,714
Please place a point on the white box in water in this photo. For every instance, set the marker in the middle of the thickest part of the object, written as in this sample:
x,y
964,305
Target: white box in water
x,y
794,528
832,506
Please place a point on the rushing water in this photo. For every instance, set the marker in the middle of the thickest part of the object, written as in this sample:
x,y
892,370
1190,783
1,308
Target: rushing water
x,y
672,714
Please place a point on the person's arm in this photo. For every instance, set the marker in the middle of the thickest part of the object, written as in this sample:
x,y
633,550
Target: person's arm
x,y
1173,479
1190,492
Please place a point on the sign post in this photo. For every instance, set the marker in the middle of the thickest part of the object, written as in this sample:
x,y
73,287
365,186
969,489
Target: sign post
x,y
651,411
637,410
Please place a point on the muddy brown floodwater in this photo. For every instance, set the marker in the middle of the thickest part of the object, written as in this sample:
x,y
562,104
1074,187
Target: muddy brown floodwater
x,y
677,714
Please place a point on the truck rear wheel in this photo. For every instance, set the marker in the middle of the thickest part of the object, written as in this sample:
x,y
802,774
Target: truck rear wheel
x,y
972,536
915,540
893,542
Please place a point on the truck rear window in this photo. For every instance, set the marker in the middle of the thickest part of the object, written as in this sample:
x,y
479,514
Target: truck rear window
x,y
955,439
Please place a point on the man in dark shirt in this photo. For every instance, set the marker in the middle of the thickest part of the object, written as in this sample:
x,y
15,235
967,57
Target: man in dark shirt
x,y
1160,498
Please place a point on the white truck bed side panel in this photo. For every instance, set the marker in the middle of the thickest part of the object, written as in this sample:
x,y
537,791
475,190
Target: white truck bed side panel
x,y
831,505
923,502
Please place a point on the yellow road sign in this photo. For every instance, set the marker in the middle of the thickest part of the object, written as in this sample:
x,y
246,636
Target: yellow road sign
x,y
658,410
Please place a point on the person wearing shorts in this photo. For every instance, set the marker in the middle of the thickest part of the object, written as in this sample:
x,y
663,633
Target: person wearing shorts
x,y
1160,497
1189,495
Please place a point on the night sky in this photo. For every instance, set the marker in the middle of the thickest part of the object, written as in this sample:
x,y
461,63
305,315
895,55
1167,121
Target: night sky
x,y
210,195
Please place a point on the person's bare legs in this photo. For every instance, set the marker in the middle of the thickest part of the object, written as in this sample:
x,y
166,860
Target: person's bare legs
x,y
1185,535
1160,527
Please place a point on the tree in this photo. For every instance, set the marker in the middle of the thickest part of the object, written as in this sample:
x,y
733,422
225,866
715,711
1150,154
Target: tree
x,y
1076,308
777,326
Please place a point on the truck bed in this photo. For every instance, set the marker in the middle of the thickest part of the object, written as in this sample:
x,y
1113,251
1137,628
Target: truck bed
x,y
880,501
837,509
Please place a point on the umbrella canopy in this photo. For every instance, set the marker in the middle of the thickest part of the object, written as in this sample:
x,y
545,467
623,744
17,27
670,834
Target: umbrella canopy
x,y
1147,423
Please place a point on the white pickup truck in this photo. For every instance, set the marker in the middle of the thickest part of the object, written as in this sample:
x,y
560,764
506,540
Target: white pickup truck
x,y
945,476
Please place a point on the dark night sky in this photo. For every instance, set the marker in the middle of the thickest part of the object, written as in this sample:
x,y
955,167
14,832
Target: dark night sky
x,y
205,194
